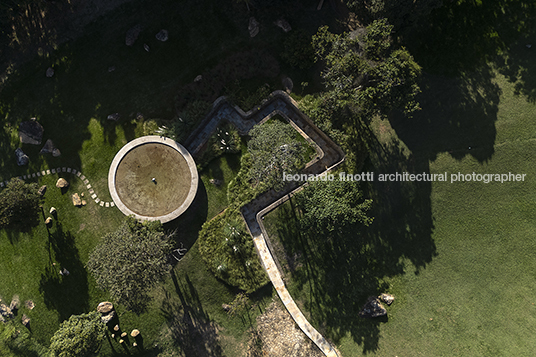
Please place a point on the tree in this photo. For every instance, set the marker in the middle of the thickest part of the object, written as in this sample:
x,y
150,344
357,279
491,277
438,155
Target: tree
x,y
274,150
19,204
332,206
365,73
130,261
79,336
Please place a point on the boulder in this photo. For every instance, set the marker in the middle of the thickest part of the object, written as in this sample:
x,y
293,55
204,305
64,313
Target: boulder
x,y
253,27
387,298
198,79
373,308
76,200
31,132
283,24
84,202
48,148
53,211
162,35
123,335
15,303
5,311
29,304
135,333
25,320
132,35
50,72
105,307
42,190
48,221
56,152
22,158
108,318
114,116
288,85
62,183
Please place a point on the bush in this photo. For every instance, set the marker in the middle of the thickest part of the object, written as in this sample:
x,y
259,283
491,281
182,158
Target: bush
x,y
19,204
225,140
79,336
19,341
229,253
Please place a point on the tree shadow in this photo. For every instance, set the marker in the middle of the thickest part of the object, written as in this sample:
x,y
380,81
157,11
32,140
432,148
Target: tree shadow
x,y
190,326
67,294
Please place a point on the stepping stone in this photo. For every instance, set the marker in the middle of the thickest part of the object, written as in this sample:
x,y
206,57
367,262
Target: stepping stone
x,y
69,169
91,191
107,204
94,196
53,171
112,204
82,177
33,175
101,203
88,187
74,171
86,181
79,174
43,173
97,200
1,184
63,169
24,177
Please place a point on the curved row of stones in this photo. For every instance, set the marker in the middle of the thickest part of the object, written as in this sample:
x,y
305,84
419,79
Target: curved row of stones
x,y
74,172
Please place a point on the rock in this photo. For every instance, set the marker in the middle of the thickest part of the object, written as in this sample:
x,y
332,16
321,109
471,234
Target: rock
x,y
215,182
105,307
42,190
198,79
15,303
48,221
56,152
108,318
387,298
135,333
253,27
82,194
84,202
25,320
116,328
132,35
62,183
134,344
114,116
22,158
5,311
64,272
123,335
50,72
31,132
373,308
146,47
288,85
283,24
76,200
48,148
162,35
29,304
53,211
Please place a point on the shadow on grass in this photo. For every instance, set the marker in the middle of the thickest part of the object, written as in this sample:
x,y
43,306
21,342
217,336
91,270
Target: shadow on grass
x,y
67,294
190,326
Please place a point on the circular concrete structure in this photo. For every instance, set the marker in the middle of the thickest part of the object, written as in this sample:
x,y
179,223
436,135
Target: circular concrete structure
x,y
153,178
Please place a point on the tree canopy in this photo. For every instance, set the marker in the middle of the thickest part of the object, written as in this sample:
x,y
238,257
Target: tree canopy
x,y
365,73
19,204
332,206
130,261
79,336
274,150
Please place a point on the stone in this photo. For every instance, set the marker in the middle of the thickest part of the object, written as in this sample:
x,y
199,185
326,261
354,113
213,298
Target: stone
x,y
198,79
31,132
53,211
50,72
76,200
123,335
134,344
215,182
288,85
22,158
253,27
146,47
42,190
29,304
48,221
105,307
373,308
25,320
5,311
47,149
62,183
283,24
15,303
108,318
56,152
226,307
132,35
116,328
114,116
135,333
387,298
84,202
162,35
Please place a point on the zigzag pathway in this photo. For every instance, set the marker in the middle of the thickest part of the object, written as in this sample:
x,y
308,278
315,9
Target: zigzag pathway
x,y
74,172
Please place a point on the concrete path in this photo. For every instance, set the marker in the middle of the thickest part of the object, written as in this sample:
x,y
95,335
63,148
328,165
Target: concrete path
x,y
71,171
329,155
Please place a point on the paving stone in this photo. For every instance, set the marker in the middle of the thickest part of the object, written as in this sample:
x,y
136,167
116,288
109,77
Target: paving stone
x,y
97,200
107,204
53,171
86,181
69,169
88,186
63,169
78,174
83,177
112,204
94,196
101,203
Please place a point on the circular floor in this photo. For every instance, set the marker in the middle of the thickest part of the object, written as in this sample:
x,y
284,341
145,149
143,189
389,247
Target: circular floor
x,y
153,178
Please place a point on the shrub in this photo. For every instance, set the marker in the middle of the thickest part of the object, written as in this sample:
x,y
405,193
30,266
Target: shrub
x,y
19,204
79,336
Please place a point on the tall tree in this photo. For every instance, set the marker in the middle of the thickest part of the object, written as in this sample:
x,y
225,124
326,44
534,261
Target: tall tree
x,y
79,336
130,261
19,204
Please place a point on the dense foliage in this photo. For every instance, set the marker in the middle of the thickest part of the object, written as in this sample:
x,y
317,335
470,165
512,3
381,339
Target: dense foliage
x,y
19,341
79,336
332,206
130,261
19,204
274,151
228,252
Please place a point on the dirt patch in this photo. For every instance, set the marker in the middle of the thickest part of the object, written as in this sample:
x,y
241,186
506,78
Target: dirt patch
x,y
277,335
